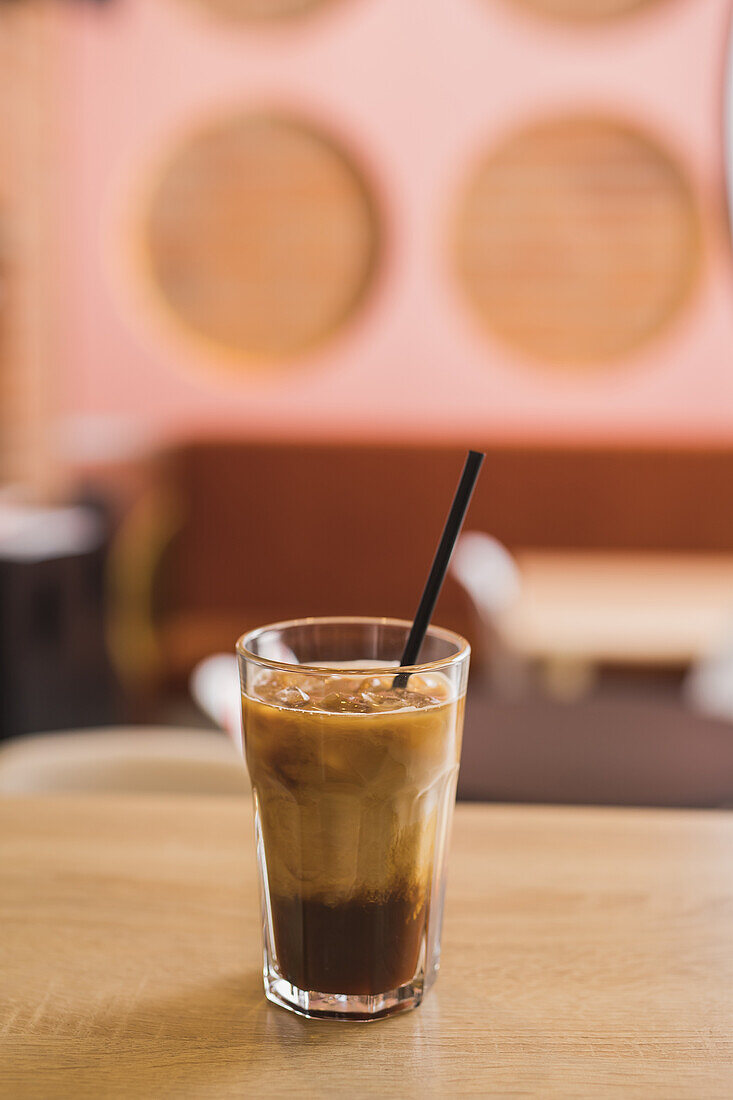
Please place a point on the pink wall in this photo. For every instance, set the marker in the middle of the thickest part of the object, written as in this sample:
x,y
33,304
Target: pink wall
x,y
414,87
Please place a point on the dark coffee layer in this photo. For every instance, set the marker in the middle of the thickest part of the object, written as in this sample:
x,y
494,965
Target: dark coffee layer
x,y
356,947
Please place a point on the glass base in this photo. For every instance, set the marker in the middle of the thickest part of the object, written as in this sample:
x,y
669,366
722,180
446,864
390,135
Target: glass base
x,y
361,1008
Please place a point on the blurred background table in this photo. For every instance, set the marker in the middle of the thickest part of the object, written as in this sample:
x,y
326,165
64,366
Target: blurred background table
x,y
632,608
588,953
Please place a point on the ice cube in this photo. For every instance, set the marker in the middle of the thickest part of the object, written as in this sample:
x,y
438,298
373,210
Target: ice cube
x,y
290,697
398,699
376,683
384,700
340,702
416,699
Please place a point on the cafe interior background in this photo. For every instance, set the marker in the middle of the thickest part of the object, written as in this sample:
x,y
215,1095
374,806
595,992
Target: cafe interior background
x,y
267,269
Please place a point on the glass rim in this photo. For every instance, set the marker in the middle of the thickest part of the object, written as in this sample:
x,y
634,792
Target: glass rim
x,y
463,648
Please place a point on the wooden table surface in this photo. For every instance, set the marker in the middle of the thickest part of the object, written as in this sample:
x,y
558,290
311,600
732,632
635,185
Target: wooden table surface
x,y
651,609
587,953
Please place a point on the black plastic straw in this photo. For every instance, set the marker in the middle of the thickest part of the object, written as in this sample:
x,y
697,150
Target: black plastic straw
x,y
434,583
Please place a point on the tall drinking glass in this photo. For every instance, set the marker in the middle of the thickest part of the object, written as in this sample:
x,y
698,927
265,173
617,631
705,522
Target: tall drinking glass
x,y
354,784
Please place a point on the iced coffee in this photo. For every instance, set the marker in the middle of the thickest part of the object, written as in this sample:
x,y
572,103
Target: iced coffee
x,y
354,781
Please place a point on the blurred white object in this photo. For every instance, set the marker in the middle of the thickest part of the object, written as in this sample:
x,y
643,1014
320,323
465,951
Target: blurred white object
x,y
487,571
708,686
214,685
125,760
489,575
32,533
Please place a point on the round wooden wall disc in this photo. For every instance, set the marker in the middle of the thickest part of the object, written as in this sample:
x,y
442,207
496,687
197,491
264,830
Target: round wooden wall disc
x,y
261,235
260,9
577,240
583,10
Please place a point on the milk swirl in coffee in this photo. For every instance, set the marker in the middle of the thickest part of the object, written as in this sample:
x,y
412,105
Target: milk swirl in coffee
x,y
351,780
